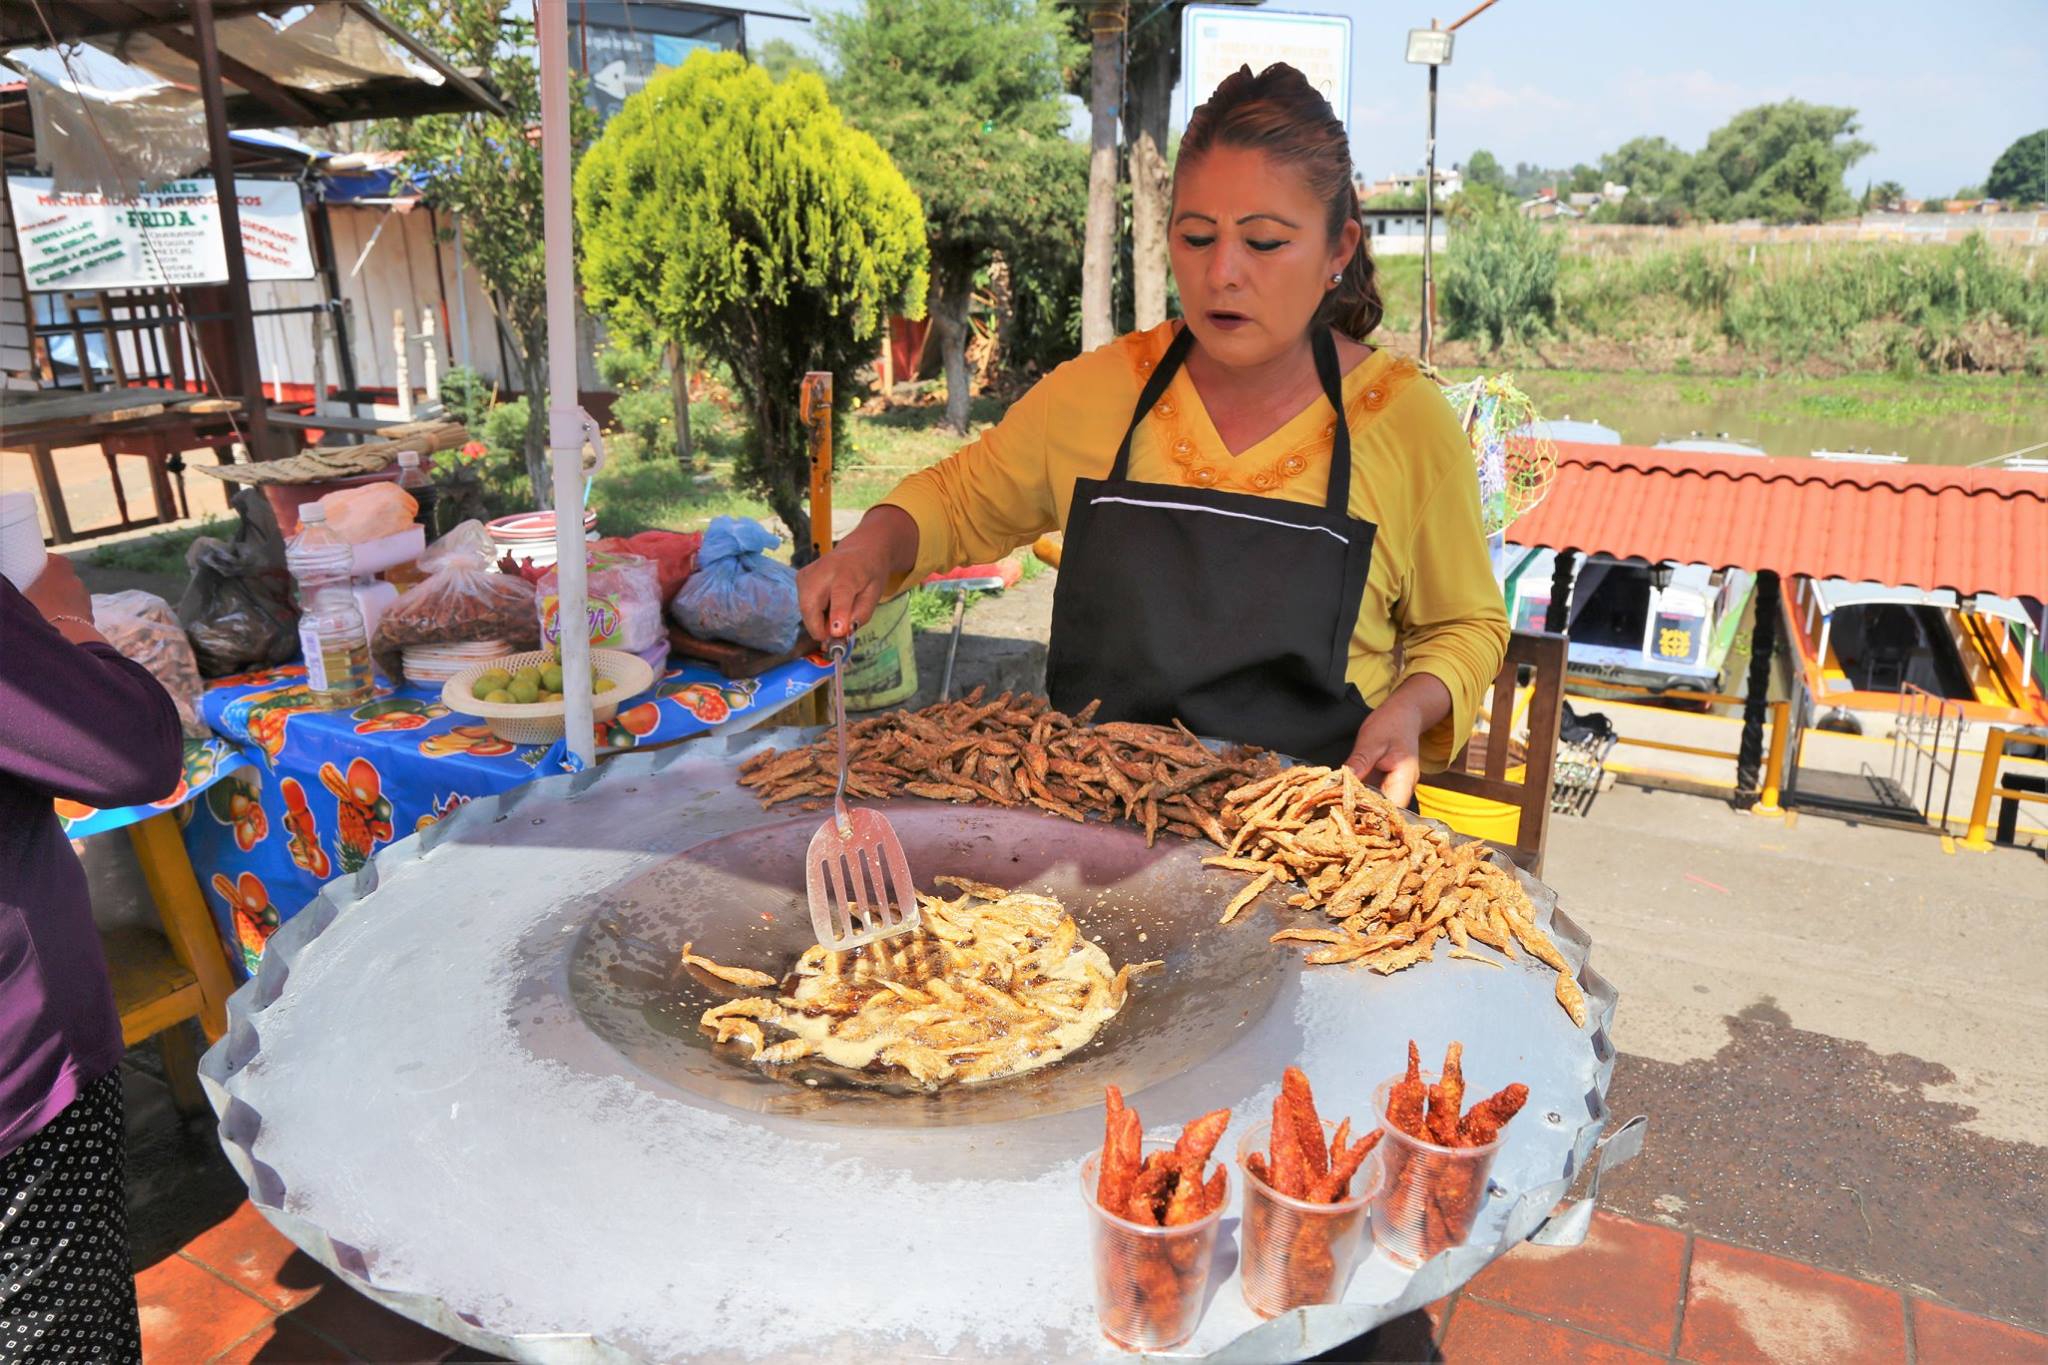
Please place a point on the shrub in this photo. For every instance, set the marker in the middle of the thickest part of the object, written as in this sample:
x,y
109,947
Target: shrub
x,y
745,219
1500,281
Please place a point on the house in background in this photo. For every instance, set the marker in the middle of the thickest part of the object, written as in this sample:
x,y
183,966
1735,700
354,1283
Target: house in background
x,y
1398,232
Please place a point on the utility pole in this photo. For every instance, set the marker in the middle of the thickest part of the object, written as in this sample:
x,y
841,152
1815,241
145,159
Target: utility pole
x,y
1431,47
1108,21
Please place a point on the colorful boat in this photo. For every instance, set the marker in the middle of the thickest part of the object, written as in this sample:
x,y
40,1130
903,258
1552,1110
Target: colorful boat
x,y
1660,626
1860,644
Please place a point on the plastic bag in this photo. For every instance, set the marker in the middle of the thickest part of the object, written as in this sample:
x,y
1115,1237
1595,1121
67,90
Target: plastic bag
x,y
238,609
625,603
463,599
737,592
144,628
371,512
674,553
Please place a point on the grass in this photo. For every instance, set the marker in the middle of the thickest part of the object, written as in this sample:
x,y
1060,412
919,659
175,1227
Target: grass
x,y
872,453
162,553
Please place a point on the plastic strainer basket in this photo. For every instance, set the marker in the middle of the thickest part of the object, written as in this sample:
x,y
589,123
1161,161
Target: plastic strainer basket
x,y
541,722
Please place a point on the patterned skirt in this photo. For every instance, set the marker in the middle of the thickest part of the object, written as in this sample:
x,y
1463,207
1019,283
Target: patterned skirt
x,y
67,1288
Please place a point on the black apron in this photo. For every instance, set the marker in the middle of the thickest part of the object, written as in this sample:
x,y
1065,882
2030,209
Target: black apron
x,y
1229,611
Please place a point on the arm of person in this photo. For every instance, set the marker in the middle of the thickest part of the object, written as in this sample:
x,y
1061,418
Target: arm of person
x,y
1453,631
82,722
976,505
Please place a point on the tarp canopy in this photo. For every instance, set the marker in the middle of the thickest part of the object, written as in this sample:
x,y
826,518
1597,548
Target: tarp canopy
x,y
1919,526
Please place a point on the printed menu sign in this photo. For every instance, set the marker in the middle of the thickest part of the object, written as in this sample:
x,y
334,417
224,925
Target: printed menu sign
x,y
87,240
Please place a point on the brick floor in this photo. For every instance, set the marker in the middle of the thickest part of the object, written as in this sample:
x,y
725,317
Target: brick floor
x,y
1634,1292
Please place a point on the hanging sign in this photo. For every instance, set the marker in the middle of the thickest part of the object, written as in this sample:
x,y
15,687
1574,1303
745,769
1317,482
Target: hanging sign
x,y
86,240
1215,42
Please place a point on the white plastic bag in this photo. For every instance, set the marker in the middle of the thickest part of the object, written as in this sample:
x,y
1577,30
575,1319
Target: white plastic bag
x,y
144,628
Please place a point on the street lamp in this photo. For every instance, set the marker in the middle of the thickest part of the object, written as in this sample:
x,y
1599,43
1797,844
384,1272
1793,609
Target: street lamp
x,y
1431,47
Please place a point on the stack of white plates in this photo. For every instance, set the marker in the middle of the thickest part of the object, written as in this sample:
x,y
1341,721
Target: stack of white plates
x,y
432,665
531,535
21,540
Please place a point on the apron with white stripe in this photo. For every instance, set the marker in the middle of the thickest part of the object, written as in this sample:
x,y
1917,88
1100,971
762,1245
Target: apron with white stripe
x,y
1228,611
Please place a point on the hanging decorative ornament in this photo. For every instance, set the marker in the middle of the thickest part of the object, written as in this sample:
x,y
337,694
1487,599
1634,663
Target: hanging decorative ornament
x,y
1516,460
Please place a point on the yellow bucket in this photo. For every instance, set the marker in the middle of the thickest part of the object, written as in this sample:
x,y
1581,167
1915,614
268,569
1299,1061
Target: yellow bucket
x,y
1472,815
881,670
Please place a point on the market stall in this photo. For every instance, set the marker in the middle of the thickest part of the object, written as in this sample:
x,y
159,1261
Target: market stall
x,y
472,1081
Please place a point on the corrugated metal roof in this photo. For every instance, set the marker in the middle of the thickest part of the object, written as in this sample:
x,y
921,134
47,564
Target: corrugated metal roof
x,y
1922,526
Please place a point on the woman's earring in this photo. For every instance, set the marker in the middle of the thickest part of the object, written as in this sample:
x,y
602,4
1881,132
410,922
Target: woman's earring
x,y
1337,279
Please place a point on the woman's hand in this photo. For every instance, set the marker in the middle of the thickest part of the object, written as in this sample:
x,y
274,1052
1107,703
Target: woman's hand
x,y
838,591
57,591
1388,750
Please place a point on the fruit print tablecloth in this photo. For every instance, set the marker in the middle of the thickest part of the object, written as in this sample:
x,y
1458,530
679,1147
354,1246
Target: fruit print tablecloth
x,y
287,796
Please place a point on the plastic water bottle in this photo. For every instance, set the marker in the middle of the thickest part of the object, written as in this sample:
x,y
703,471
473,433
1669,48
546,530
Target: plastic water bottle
x,y
418,480
331,632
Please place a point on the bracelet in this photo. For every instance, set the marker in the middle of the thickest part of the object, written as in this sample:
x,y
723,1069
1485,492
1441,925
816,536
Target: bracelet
x,y
74,620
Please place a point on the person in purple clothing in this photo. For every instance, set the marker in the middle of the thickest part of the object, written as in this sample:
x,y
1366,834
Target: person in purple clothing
x,y
77,721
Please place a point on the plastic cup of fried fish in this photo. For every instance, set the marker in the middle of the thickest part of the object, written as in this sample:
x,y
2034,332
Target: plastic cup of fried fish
x,y
1297,1252
1150,1282
1429,1196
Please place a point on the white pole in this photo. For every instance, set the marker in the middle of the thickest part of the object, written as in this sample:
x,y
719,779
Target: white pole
x,y
565,417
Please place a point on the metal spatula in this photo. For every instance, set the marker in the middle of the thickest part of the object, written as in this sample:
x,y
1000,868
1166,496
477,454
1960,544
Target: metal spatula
x,y
858,879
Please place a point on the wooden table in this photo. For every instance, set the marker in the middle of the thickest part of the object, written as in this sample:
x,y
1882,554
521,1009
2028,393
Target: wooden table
x,y
39,422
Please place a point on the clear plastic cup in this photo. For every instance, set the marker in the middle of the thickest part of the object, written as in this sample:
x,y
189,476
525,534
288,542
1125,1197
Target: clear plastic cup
x,y
1429,1196
1296,1252
1150,1283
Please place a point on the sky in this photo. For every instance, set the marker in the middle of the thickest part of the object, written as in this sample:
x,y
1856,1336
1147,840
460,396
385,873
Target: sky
x,y
1941,89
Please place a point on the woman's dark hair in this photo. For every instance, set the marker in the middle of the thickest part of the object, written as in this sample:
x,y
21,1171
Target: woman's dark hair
x,y
1279,113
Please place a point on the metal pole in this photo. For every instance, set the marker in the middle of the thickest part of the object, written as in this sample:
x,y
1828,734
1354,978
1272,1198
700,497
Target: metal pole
x,y
247,376
1429,229
565,416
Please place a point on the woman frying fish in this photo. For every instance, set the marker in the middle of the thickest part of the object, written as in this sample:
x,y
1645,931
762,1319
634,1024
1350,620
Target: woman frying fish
x,y
1272,529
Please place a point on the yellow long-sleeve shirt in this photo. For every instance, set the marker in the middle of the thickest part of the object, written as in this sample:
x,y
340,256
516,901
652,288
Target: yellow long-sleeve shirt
x,y
1431,604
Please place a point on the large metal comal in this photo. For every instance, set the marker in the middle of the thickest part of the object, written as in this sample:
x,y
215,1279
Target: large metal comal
x,y
471,1082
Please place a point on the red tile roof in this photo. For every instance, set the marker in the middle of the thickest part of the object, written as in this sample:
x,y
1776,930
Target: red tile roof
x,y
1922,526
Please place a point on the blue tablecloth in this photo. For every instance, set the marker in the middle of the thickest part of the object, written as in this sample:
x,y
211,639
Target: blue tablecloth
x,y
287,796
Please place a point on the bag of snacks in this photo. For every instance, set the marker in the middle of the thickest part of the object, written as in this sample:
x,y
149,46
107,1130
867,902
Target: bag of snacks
x,y
738,593
625,603
371,512
144,628
462,599
238,608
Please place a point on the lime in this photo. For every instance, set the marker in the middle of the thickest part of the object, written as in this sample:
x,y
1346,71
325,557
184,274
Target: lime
x,y
524,689
551,677
492,680
603,685
498,696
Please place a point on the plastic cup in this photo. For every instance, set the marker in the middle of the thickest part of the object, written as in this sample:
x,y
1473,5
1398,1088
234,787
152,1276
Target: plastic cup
x,y
1150,1282
1429,1196
1295,1252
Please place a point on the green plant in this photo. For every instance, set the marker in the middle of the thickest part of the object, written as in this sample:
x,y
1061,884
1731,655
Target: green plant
x,y
465,395
1500,281
746,220
2020,175
1780,162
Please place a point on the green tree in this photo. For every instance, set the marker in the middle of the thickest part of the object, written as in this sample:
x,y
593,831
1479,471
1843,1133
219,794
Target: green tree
x,y
1884,194
1483,168
965,96
1500,281
1651,167
487,175
779,57
1584,179
2020,175
1783,163
743,218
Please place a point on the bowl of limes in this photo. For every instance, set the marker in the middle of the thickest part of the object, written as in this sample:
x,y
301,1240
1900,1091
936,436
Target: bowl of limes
x,y
520,695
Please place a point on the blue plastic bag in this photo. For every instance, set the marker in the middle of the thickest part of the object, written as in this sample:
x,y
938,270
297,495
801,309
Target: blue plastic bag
x,y
737,593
